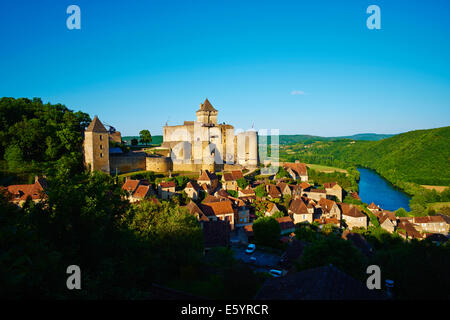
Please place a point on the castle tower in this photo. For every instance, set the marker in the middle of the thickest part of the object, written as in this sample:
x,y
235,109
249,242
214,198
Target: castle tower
x,y
96,146
207,115
247,148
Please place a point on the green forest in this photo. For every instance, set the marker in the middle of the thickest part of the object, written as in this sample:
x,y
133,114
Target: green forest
x,y
420,157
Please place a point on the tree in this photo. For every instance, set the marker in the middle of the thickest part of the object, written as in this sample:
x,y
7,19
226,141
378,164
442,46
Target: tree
x,y
242,183
145,137
134,142
267,231
260,191
334,250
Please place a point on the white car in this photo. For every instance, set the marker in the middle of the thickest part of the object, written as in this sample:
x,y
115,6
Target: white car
x,y
276,273
250,249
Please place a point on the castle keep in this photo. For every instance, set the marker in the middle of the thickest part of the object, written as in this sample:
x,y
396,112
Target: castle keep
x,y
193,146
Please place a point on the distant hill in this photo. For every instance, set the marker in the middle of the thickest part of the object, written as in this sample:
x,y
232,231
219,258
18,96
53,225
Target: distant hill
x,y
308,139
368,136
420,156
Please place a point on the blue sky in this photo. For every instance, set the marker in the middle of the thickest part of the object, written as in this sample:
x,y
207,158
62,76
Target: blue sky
x,y
137,64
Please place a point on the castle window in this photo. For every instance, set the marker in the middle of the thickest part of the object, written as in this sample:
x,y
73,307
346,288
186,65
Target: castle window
x,y
101,137
101,147
101,155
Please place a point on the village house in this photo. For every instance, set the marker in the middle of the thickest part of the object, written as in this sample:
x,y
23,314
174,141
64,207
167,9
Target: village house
x,y
286,224
387,219
221,210
315,194
353,217
408,231
297,170
142,192
329,209
247,194
192,190
130,185
374,208
271,209
21,192
284,189
431,224
242,217
228,181
137,190
209,179
299,211
196,211
272,191
222,194
166,190
333,189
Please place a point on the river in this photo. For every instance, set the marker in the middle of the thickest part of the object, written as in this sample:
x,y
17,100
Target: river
x,y
373,188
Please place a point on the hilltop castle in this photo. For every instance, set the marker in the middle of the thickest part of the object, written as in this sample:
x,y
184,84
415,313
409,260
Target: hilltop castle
x,y
196,145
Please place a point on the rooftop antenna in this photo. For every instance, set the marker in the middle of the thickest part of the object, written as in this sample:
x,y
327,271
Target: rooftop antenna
x,y
167,121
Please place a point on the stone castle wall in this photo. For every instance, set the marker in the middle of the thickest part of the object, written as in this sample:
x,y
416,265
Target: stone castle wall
x,y
158,164
127,163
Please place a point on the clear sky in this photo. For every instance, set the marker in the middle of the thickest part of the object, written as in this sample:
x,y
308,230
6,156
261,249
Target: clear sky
x,y
306,67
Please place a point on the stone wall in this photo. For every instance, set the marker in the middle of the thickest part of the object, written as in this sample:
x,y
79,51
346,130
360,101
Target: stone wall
x,y
158,164
127,162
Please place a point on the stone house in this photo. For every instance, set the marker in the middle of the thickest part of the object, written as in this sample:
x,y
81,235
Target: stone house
x,y
196,211
387,224
299,211
271,209
21,192
333,189
297,170
208,178
272,191
247,194
408,231
166,190
284,189
228,182
315,194
374,208
353,217
192,190
221,210
329,209
431,224
242,216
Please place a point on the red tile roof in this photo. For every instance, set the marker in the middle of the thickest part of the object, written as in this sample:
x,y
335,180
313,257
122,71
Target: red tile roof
x,y
237,174
167,184
217,208
298,207
299,168
23,191
142,192
130,185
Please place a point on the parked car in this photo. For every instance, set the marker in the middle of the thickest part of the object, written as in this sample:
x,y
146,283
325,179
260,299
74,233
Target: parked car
x,y
250,249
275,273
253,259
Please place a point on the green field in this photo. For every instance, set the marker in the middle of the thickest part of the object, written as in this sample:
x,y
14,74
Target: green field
x,y
325,169
438,205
